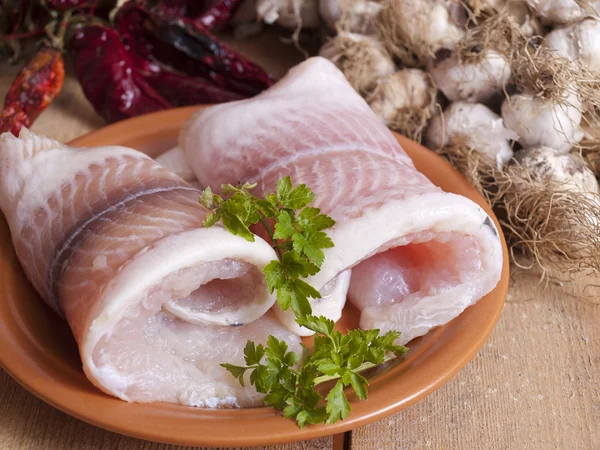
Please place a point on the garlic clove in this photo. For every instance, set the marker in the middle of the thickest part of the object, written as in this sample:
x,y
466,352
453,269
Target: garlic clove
x,y
567,171
542,122
579,43
475,82
475,126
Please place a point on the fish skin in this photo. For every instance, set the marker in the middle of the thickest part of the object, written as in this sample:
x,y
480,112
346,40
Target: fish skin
x,y
50,192
96,231
313,127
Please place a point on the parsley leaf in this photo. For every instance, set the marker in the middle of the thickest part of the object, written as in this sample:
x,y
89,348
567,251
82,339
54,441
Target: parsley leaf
x,y
337,404
312,219
237,371
253,353
284,228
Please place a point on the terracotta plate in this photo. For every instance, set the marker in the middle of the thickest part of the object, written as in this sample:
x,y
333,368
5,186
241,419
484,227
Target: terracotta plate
x,y
37,348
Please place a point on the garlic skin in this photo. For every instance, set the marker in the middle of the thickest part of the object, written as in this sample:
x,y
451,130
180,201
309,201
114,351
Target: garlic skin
x,y
529,24
471,82
545,165
541,122
356,16
434,24
590,130
403,92
556,12
579,43
472,125
362,59
292,14
495,5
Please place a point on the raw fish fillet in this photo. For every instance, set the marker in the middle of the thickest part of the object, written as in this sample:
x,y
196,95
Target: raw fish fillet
x,y
419,256
115,243
333,294
174,160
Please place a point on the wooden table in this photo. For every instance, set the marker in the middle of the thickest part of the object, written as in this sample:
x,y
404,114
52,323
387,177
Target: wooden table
x,y
534,385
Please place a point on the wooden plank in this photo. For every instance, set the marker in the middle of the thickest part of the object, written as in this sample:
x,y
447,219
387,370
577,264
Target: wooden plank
x,y
534,385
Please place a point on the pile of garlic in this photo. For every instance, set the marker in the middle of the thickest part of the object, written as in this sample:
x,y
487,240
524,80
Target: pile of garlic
x,y
507,90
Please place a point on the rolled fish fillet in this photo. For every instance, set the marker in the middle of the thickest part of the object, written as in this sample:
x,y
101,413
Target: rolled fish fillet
x,y
114,243
333,294
419,256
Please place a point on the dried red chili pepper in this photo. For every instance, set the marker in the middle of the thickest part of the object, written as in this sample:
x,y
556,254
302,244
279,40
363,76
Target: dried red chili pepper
x,y
219,14
209,13
63,5
176,8
34,88
191,49
108,77
182,90
177,88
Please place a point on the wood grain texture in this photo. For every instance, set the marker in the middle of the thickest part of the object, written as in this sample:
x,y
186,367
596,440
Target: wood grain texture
x,y
535,384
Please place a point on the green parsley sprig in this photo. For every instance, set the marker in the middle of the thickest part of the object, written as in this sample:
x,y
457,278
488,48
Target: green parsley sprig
x,y
288,379
297,235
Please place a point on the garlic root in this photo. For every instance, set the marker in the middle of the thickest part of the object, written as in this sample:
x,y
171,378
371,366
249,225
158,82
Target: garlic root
x,y
362,59
405,101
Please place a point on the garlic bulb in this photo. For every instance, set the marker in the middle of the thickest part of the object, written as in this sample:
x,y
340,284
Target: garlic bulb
x,y
568,171
542,122
473,82
556,12
472,125
550,203
362,59
292,14
356,16
579,43
422,27
404,101
529,24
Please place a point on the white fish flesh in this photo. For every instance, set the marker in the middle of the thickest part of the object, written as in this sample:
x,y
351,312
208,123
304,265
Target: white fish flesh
x,y
419,256
174,160
114,243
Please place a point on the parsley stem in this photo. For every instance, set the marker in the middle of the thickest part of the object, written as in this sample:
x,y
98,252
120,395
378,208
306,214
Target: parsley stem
x,y
269,230
267,226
